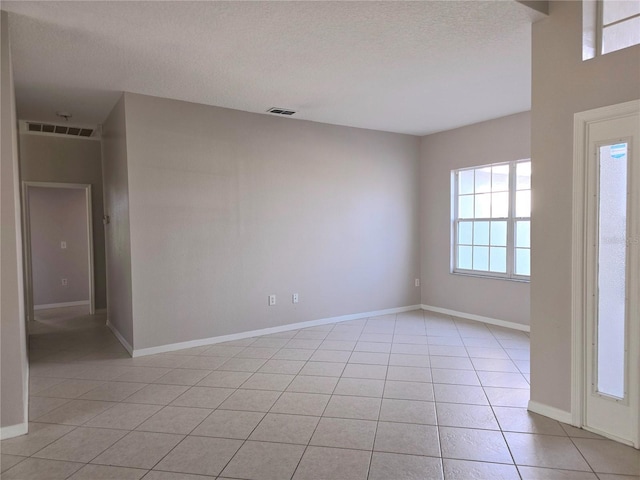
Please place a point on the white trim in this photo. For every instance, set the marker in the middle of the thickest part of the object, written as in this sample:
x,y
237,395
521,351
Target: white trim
x,y
478,318
577,268
580,237
26,226
120,338
610,436
551,412
14,431
511,219
263,331
46,306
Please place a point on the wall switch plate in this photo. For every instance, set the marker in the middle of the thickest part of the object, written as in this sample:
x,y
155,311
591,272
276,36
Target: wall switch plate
x,y
272,300
417,282
64,282
294,298
63,244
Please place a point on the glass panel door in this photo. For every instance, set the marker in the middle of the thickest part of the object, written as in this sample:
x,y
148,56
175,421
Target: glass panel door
x,y
611,338
611,270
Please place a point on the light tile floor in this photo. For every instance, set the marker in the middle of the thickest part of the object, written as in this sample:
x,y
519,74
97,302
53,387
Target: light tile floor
x,y
409,396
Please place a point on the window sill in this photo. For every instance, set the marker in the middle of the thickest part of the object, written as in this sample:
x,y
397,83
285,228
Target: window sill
x,y
492,277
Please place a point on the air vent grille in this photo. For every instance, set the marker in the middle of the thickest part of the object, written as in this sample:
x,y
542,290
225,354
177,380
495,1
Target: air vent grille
x,y
59,129
281,111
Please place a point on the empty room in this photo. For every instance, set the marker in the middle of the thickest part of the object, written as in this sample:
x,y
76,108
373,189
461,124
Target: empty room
x,y
320,240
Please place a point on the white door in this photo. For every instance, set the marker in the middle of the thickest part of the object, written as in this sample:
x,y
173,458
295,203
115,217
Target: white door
x,y
612,268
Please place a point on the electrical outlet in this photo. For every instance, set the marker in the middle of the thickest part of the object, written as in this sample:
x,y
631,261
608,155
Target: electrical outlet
x,y
417,282
63,245
272,300
294,298
64,282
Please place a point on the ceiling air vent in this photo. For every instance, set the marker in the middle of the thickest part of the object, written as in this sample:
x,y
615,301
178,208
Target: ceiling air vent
x,y
59,129
281,111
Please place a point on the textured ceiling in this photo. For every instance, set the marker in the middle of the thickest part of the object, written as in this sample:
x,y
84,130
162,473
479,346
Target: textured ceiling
x,y
411,67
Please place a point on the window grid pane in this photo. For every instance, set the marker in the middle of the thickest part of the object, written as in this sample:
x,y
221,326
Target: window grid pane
x,y
498,259
523,260
621,35
616,10
483,205
499,234
500,205
481,258
465,182
465,206
465,233
523,176
500,178
483,180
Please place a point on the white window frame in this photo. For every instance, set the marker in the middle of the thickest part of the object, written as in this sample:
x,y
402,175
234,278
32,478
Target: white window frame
x,y
511,220
593,29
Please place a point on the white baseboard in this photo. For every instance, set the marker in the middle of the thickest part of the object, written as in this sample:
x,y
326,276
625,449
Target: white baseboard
x,y
265,331
120,338
551,412
13,431
478,318
47,306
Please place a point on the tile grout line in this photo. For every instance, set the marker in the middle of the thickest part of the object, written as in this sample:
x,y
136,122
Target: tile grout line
x,y
243,441
504,438
502,340
325,408
279,396
384,386
435,408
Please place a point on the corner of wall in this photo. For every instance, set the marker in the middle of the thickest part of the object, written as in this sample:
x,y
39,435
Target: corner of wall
x,y
14,364
115,177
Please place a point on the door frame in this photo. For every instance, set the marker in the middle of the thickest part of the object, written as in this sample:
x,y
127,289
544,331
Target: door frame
x,y
26,228
580,268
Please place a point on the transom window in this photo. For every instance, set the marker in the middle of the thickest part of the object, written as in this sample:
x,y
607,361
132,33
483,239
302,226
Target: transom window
x,y
609,25
492,220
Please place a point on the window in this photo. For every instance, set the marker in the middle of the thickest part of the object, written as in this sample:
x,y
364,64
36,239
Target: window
x,y
609,25
492,220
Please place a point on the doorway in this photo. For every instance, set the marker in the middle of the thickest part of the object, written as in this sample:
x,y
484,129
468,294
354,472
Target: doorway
x,y
58,245
606,267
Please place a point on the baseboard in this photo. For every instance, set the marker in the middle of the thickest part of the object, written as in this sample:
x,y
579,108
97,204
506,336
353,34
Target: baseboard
x,y
47,306
478,318
14,431
120,338
265,331
551,412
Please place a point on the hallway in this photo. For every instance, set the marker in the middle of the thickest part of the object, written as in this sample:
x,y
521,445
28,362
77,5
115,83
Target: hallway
x,y
413,395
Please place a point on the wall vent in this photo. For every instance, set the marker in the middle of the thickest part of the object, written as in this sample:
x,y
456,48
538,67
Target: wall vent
x,y
50,128
281,111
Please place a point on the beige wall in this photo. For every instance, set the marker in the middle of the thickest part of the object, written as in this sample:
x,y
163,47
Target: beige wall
x,y
68,160
13,356
500,140
228,207
57,215
562,85
117,235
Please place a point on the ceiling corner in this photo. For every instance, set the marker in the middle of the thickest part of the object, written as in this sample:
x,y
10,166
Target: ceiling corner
x,y
541,6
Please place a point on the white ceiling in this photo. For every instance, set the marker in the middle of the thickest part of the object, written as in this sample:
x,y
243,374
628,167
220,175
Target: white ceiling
x,y
410,67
